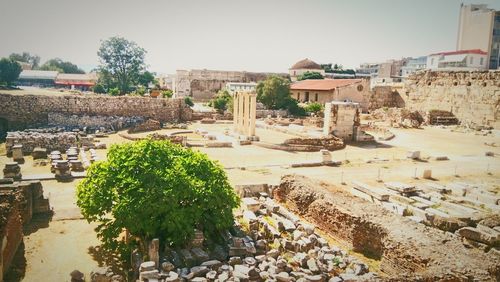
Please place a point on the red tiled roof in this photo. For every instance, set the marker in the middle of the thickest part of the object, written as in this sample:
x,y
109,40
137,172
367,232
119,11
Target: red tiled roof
x,y
322,84
472,51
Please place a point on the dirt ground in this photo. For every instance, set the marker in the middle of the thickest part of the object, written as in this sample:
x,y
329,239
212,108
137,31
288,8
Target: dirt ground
x,y
62,244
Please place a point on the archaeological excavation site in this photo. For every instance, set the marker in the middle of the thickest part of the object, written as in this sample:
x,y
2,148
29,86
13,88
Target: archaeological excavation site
x,y
401,185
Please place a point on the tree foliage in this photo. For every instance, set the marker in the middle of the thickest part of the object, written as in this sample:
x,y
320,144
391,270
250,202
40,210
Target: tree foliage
x,y
337,68
314,108
222,102
61,66
155,189
310,75
99,88
122,63
274,92
26,57
188,101
167,93
146,78
9,71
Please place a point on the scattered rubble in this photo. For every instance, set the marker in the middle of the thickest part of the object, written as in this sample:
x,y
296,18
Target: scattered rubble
x,y
399,117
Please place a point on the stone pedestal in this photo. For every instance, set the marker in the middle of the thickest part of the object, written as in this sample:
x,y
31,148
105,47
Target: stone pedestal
x,y
39,153
326,156
12,170
62,171
17,153
76,165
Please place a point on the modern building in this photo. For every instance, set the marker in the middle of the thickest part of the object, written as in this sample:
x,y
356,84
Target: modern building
x,y
413,65
76,81
303,66
368,69
458,60
37,78
328,90
479,28
233,87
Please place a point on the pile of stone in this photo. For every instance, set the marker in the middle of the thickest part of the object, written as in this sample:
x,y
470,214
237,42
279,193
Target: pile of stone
x,y
176,139
148,125
269,244
330,143
399,117
30,140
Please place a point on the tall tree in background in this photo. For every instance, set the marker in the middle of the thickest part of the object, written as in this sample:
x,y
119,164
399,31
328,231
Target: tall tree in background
x,y
9,71
26,57
122,62
61,66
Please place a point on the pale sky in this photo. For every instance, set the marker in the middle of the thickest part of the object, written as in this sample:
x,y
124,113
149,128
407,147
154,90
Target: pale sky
x,y
257,35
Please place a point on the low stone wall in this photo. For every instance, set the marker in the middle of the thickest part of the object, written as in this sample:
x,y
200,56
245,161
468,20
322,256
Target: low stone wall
x,y
52,141
407,250
329,143
20,111
18,203
70,121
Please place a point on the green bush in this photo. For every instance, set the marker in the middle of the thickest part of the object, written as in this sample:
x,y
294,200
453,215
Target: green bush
x,y
188,101
292,106
99,88
222,102
310,75
155,189
314,108
114,91
167,93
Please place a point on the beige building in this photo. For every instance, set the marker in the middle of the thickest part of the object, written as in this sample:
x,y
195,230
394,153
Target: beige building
x,y
328,90
303,66
479,28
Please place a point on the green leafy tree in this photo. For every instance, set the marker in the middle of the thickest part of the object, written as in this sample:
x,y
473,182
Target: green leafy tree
x,y
274,92
26,57
61,66
122,62
222,102
99,88
314,108
310,75
188,101
146,78
156,189
9,71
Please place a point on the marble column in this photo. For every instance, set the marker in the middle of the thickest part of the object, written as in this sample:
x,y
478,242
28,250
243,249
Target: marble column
x,y
253,114
241,113
235,111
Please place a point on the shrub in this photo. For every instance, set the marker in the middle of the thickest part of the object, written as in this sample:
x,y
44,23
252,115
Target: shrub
x,y
167,93
155,189
314,108
99,88
188,101
222,102
114,91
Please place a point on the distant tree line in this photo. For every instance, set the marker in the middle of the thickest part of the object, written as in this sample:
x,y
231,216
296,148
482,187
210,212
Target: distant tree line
x,y
337,68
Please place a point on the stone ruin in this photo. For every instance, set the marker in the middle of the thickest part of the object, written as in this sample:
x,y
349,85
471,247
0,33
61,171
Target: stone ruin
x,y
399,117
19,202
245,107
407,250
341,119
148,125
50,140
268,243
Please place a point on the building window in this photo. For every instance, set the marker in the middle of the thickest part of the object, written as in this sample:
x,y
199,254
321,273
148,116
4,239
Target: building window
x,y
306,99
298,96
316,97
481,61
360,88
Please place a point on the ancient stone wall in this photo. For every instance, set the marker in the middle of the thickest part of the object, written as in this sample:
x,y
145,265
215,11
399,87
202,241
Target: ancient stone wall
x,y
473,97
70,121
22,111
202,85
384,96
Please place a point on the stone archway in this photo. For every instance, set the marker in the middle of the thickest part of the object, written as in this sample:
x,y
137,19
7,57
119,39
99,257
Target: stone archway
x,y
4,127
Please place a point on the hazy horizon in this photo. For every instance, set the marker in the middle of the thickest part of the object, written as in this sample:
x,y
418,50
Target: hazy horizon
x,y
264,36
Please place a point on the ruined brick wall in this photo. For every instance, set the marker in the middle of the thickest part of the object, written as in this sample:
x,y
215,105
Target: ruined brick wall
x,y
11,227
384,96
22,111
473,97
